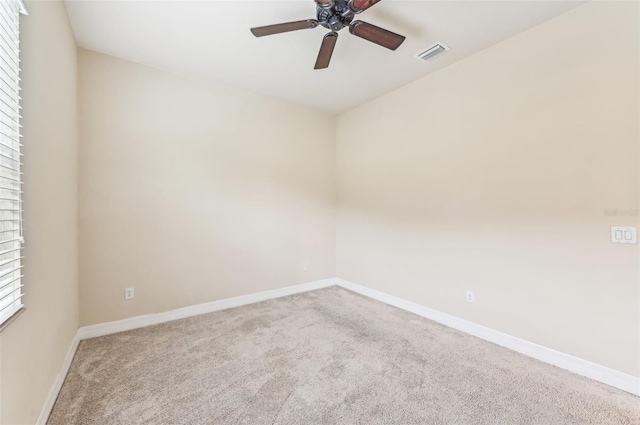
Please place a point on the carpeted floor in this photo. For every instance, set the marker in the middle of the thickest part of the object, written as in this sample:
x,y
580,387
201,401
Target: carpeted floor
x,y
323,357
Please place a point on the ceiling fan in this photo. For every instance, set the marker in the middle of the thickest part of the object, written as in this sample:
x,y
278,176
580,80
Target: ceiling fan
x,y
335,15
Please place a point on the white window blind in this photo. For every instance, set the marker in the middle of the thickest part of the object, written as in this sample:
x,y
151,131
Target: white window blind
x,y
10,176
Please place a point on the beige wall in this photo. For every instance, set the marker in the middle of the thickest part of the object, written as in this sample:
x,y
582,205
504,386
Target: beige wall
x,y
34,346
494,175
193,192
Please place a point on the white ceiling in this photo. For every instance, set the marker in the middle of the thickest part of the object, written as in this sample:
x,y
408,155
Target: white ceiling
x,y
211,40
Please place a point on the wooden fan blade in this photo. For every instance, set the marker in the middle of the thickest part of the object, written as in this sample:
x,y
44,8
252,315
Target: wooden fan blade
x,y
361,5
286,27
377,35
326,50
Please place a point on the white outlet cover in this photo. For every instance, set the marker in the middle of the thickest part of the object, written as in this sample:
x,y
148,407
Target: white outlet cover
x,y
624,235
129,294
470,296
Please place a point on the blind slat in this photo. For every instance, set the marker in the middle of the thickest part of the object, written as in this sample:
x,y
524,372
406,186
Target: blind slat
x,y
9,271
16,297
9,288
8,282
12,260
5,296
4,155
15,170
11,179
9,251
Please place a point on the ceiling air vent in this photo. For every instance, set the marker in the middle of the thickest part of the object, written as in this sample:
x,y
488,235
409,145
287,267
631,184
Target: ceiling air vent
x,y
432,52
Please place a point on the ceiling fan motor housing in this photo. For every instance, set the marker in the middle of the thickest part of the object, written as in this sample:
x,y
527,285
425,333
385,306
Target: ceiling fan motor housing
x,y
335,15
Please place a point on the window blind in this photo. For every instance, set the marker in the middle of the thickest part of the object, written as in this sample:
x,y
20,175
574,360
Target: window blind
x,y
11,237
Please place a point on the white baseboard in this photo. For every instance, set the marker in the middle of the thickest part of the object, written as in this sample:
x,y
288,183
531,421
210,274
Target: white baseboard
x,y
574,364
612,377
194,310
57,383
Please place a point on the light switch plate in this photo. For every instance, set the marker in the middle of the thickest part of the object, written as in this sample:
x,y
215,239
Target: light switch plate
x,y
623,235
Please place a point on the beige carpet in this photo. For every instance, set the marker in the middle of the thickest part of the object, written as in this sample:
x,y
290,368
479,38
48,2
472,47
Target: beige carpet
x,y
323,357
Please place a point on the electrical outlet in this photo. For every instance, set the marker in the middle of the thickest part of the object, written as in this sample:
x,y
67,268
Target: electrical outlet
x,y
470,297
129,294
305,266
